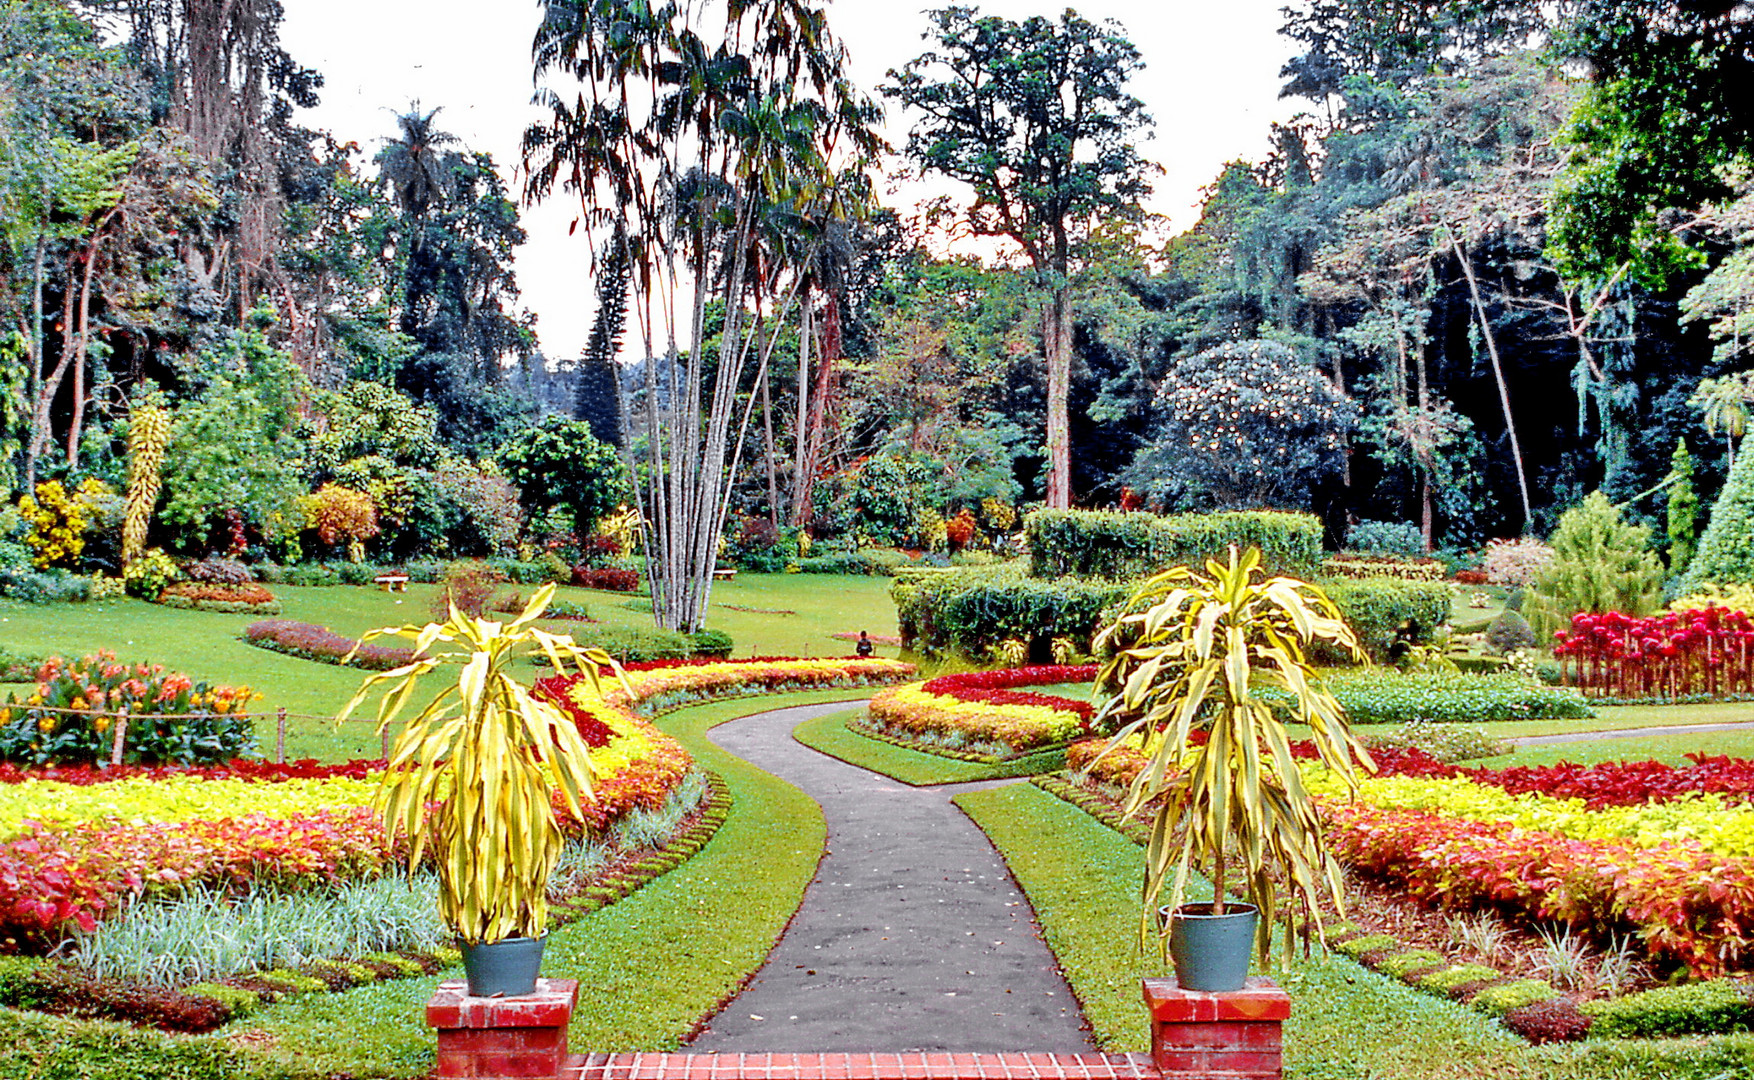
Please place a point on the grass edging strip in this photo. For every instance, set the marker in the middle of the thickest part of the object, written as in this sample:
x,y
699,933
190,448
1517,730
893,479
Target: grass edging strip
x,y
836,736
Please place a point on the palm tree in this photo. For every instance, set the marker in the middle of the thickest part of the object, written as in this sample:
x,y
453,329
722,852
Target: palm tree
x,y
704,154
1724,402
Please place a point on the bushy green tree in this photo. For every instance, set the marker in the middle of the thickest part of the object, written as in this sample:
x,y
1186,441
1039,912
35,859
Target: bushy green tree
x,y
1246,425
1683,509
1600,563
559,464
231,445
1726,550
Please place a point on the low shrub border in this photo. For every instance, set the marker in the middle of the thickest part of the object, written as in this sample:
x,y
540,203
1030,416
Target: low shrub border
x,y
308,641
246,598
60,988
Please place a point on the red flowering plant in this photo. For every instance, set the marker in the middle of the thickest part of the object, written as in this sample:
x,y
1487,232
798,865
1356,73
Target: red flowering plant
x,y
1706,651
68,717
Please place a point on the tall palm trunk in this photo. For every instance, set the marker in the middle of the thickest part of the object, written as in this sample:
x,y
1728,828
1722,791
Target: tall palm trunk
x,y
1516,453
1058,335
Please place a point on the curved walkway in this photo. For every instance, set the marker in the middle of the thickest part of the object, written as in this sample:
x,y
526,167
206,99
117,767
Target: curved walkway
x,y
913,936
1625,733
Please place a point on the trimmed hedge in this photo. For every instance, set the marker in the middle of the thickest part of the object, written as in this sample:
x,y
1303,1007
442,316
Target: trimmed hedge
x,y
1115,546
1704,1008
1376,609
1386,696
971,610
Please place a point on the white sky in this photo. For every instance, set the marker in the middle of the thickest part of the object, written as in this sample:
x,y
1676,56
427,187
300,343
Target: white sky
x,y
1210,82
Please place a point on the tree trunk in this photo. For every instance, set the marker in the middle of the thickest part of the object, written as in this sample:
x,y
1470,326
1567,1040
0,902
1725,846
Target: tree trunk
x,y
1058,326
773,481
1516,452
828,360
34,381
82,344
803,466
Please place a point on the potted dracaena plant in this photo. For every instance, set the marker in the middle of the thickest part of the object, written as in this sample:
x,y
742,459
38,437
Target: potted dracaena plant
x,y
472,777
1185,679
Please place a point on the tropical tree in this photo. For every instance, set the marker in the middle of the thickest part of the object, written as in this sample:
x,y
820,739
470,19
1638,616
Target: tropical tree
x,y
1035,117
702,137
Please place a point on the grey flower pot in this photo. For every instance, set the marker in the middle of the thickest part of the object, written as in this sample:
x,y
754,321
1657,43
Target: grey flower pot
x,y
505,968
1211,952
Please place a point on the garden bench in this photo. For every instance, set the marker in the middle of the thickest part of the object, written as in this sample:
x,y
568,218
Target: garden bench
x,y
724,573
392,582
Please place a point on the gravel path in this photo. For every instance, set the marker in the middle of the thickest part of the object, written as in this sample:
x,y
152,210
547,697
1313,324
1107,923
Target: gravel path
x,y
1624,733
913,935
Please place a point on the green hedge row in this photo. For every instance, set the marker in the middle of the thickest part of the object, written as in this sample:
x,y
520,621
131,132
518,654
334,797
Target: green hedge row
x,y
1377,608
1116,546
972,610
1387,696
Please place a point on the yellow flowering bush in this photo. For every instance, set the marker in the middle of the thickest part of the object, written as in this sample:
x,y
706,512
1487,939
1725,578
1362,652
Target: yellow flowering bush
x,y
59,520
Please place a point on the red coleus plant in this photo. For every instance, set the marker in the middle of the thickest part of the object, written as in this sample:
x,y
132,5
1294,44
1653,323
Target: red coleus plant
x,y
1679,653
997,687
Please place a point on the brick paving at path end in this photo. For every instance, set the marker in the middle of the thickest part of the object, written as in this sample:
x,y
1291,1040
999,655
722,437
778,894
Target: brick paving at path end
x,y
905,1066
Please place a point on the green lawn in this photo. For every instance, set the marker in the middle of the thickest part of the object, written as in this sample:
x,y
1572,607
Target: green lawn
x,y
831,736
206,644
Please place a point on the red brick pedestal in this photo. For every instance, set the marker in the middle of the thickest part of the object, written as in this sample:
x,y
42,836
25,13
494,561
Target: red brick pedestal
x,y
521,1038
1217,1036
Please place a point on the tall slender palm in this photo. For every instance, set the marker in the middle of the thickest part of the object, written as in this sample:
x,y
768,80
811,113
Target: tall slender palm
x,y
696,142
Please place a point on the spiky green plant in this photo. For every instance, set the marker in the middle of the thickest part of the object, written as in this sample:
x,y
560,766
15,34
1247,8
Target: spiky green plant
x,y
491,756
1195,656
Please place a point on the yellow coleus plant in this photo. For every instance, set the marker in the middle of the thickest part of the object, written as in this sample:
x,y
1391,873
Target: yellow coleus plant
x,y
491,755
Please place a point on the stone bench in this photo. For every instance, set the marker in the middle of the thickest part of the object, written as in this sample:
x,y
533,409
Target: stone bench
x,y
392,582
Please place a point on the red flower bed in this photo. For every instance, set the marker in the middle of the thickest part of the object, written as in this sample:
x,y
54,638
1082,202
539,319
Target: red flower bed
x,y
1692,908
995,687
1677,654
312,642
609,579
239,768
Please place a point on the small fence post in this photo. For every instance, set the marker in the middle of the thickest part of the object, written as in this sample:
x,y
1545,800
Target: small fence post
x,y
120,737
386,743
280,736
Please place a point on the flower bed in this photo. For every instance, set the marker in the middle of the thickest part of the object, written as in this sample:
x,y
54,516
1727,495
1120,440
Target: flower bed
x,y
310,642
1666,853
1354,565
983,711
654,687
246,598
67,717
1692,909
145,834
1678,654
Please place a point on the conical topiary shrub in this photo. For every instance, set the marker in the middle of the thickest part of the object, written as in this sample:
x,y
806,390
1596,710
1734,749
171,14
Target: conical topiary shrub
x,y
1600,563
1725,555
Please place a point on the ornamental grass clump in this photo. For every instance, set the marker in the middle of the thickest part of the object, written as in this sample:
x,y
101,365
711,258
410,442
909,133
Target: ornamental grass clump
x,y
1187,670
492,756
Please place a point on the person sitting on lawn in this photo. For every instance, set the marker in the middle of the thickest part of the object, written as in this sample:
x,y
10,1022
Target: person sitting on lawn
x,y
865,648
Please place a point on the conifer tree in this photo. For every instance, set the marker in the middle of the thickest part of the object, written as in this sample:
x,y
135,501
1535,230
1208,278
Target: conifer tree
x,y
1600,563
1726,550
1683,509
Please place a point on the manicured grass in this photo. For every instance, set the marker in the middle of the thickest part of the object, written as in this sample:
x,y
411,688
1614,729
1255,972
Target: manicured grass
x,y
206,646
1083,880
652,965
1672,749
830,735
